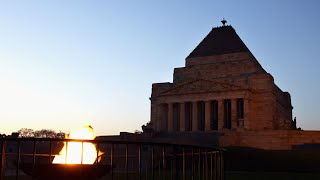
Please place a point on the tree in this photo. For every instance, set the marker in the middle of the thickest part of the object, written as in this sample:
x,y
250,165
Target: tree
x,y
43,133
25,133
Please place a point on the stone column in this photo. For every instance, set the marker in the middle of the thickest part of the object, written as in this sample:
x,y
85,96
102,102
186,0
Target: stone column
x,y
182,117
159,117
194,116
220,114
207,115
246,114
164,117
170,117
234,114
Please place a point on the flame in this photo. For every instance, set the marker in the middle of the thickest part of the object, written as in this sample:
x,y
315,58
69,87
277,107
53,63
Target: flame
x,y
71,152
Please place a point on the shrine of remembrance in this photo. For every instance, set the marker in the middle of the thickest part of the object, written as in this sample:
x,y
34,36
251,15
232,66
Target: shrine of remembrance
x,y
223,90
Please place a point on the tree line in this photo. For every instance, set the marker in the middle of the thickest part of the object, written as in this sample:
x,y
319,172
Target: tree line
x,y
43,133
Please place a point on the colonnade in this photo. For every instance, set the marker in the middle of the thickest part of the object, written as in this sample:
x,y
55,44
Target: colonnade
x,y
206,115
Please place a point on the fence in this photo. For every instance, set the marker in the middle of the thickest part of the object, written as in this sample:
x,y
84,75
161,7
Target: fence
x,y
31,158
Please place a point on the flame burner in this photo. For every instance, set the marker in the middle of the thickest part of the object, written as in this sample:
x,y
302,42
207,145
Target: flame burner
x,y
75,160
66,171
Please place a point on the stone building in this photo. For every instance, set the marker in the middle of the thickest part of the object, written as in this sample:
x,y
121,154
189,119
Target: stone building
x,y
221,88
222,97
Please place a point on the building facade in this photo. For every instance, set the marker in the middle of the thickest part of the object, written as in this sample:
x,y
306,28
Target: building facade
x,y
221,88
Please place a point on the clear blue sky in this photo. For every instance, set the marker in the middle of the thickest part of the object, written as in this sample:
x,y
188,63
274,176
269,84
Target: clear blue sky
x,y
66,63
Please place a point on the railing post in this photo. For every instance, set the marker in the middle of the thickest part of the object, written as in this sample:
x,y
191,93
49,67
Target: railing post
x,y
183,164
66,160
199,164
97,159
81,163
219,165
81,153
3,159
111,154
34,158
126,161
206,164
163,163
216,164
192,164
50,153
211,164
139,161
224,165
152,162
176,152
18,161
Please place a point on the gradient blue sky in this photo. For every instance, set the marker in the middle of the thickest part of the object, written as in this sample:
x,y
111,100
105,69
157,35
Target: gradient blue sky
x,y
64,63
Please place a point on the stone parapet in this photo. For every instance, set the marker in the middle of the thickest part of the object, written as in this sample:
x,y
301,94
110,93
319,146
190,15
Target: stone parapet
x,y
268,140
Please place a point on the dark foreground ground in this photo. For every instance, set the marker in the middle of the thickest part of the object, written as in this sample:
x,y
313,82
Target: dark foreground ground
x,y
255,164
271,176
252,164
244,176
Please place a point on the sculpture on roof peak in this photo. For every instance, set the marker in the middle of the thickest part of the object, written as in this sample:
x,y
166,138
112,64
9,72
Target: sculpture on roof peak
x,y
224,22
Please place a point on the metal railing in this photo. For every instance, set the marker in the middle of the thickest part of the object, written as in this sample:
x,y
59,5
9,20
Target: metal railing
x,y
26,158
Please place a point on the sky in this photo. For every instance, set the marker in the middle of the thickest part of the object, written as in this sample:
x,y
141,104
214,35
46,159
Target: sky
x,y
64,63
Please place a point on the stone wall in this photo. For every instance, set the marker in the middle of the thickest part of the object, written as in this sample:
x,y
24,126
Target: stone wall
x,y
213,67
227,76
269,140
